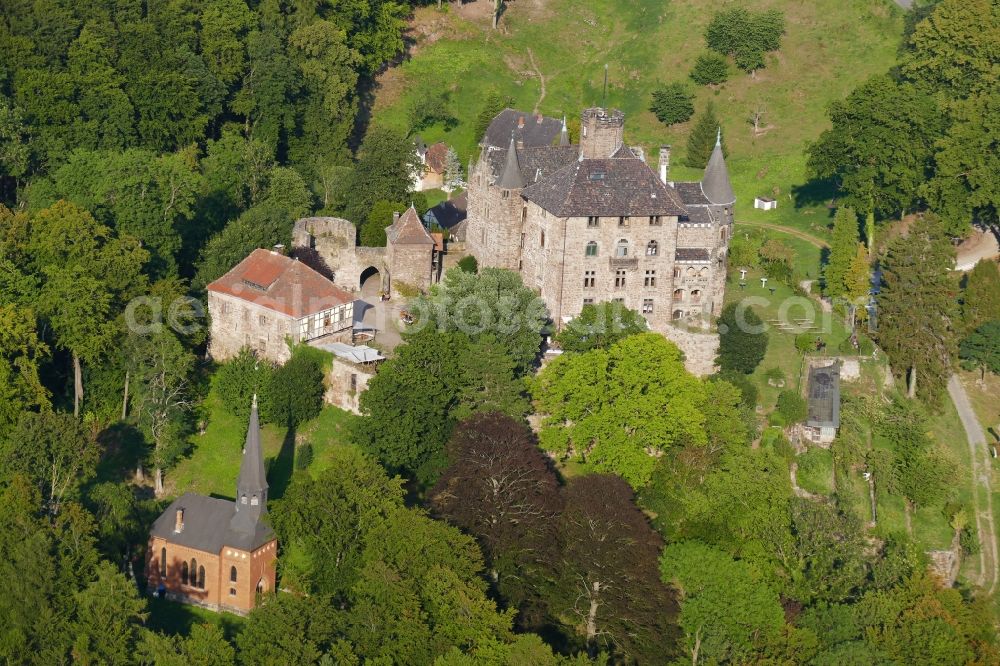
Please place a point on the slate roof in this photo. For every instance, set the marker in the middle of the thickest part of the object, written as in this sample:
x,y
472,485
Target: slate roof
x,y
605,187
511,177
279,283
715,183
692,254
697,215
537,131
206,525
448,214
408,230
536,163
691,194
824,397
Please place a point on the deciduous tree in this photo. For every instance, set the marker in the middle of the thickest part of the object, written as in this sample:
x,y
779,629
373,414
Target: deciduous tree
x,y
600,326
742,339
672,103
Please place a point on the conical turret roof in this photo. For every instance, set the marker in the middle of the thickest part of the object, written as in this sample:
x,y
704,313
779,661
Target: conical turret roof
x,y
715,184
511,178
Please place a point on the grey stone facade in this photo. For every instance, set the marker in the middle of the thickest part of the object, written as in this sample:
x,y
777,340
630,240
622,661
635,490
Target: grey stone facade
x,y
594,223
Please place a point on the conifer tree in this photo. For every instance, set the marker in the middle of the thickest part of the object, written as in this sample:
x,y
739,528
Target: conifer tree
x,y
857,281
981,299
917,310
702,139
842,252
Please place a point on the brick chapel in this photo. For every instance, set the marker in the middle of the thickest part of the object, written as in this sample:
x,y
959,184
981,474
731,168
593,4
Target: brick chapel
x,y
217,553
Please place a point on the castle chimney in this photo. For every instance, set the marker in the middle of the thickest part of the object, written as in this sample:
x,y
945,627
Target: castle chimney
x,y
279,249
538,118
520,122
179,521
395,217
664,162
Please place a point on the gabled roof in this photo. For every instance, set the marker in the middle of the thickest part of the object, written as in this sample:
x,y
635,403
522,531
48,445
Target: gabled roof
x,y
206,525
408,230
535,130
435,157
715,184
276,282
605,187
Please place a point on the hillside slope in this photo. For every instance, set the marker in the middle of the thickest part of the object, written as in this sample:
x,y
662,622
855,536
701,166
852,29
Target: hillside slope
x,y
829,47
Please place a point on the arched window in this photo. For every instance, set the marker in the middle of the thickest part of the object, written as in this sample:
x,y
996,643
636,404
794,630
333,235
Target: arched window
x,y
691,272
678,294
163,563
621,250
194,572
591,249
201,577
652,249
678,314
695,294
703,272
232,574
184,573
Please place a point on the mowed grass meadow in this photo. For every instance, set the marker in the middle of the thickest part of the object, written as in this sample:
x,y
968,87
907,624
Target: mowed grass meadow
x,y
830,46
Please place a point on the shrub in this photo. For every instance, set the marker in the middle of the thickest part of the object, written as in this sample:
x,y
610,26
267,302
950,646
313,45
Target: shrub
x,y
295,390
710,68
792,407
865,346
745,35
672,104
775,375
468,264
805,342
239,379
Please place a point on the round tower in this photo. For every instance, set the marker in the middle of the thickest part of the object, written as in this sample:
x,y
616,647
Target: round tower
x,y
601,132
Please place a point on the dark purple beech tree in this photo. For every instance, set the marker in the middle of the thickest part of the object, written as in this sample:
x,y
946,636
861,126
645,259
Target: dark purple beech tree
x,y
500,488
608,590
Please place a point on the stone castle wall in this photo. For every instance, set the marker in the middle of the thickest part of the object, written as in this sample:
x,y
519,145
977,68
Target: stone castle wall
x,y
237,323
700,349
338,384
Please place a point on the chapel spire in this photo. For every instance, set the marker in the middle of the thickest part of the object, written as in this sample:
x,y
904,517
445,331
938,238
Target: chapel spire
x,y
251,486
564,134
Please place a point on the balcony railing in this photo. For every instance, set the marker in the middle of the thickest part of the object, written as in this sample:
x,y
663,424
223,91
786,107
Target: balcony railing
x,y
630,263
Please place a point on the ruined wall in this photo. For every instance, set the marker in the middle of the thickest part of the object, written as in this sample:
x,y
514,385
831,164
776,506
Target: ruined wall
x,y
333,239
339,390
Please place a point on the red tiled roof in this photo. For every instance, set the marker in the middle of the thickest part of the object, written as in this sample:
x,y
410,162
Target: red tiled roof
x,y
436,157
276,282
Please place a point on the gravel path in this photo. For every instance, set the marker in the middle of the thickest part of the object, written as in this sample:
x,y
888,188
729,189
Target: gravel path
x,y
982,492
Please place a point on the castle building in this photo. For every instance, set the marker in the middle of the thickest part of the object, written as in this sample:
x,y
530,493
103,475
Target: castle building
x,y
408,262
217,553
593,222
269,301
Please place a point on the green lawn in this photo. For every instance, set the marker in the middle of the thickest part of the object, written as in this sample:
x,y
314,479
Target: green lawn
x,y
830,46
816,471
213,463
784,305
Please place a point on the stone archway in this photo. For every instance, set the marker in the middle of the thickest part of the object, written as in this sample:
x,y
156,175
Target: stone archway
x,y
370,283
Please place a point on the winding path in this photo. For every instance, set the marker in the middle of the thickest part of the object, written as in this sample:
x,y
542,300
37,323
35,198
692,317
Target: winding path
x,y
541,79
809,238
982,491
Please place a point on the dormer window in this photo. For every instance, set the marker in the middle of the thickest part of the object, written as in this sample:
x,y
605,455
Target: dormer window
x,y
654,221
243,499
254,501
623,221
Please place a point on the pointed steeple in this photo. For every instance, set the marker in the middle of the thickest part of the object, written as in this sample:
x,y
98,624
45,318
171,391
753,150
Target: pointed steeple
x,y
511,178
715,184
564,134
251,487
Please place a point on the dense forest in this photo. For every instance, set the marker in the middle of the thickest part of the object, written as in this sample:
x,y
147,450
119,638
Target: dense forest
x,y
147,147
